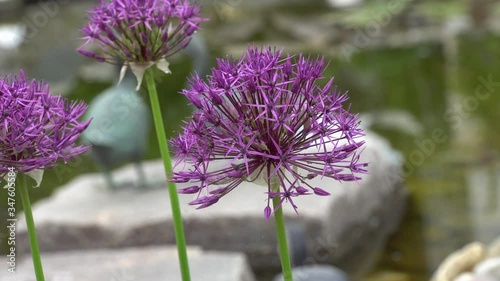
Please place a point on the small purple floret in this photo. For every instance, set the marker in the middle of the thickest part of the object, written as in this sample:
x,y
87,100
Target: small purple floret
x,y
267,212
266,117
320,192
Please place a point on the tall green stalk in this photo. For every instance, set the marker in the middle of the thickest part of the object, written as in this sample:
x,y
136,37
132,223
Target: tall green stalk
x,y
167,163
286,266
30,223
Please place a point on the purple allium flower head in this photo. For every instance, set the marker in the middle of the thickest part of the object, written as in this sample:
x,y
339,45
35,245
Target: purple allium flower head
x,y
36,128
266,119
140,33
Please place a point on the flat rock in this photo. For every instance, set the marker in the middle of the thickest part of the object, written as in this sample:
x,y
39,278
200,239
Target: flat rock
x,y
145,264
346,229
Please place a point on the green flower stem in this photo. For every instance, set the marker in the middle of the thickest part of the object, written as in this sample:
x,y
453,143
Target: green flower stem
x,y
30,223
282,241
172,189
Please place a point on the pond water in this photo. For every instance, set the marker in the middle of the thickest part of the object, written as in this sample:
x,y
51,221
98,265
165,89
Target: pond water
x,y
437,101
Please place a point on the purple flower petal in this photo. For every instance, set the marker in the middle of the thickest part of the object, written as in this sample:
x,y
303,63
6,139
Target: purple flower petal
x,y
301,190
267,212
320,192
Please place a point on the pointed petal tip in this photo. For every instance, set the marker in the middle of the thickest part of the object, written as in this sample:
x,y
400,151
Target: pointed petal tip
x,y
189,190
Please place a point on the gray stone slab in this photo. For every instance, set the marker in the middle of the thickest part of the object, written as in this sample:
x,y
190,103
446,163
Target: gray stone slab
x,y
316,273
346,229
157,263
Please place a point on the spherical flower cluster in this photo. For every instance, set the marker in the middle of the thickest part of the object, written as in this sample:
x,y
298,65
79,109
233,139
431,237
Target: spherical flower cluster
x,y
265,118
36,128
140,33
